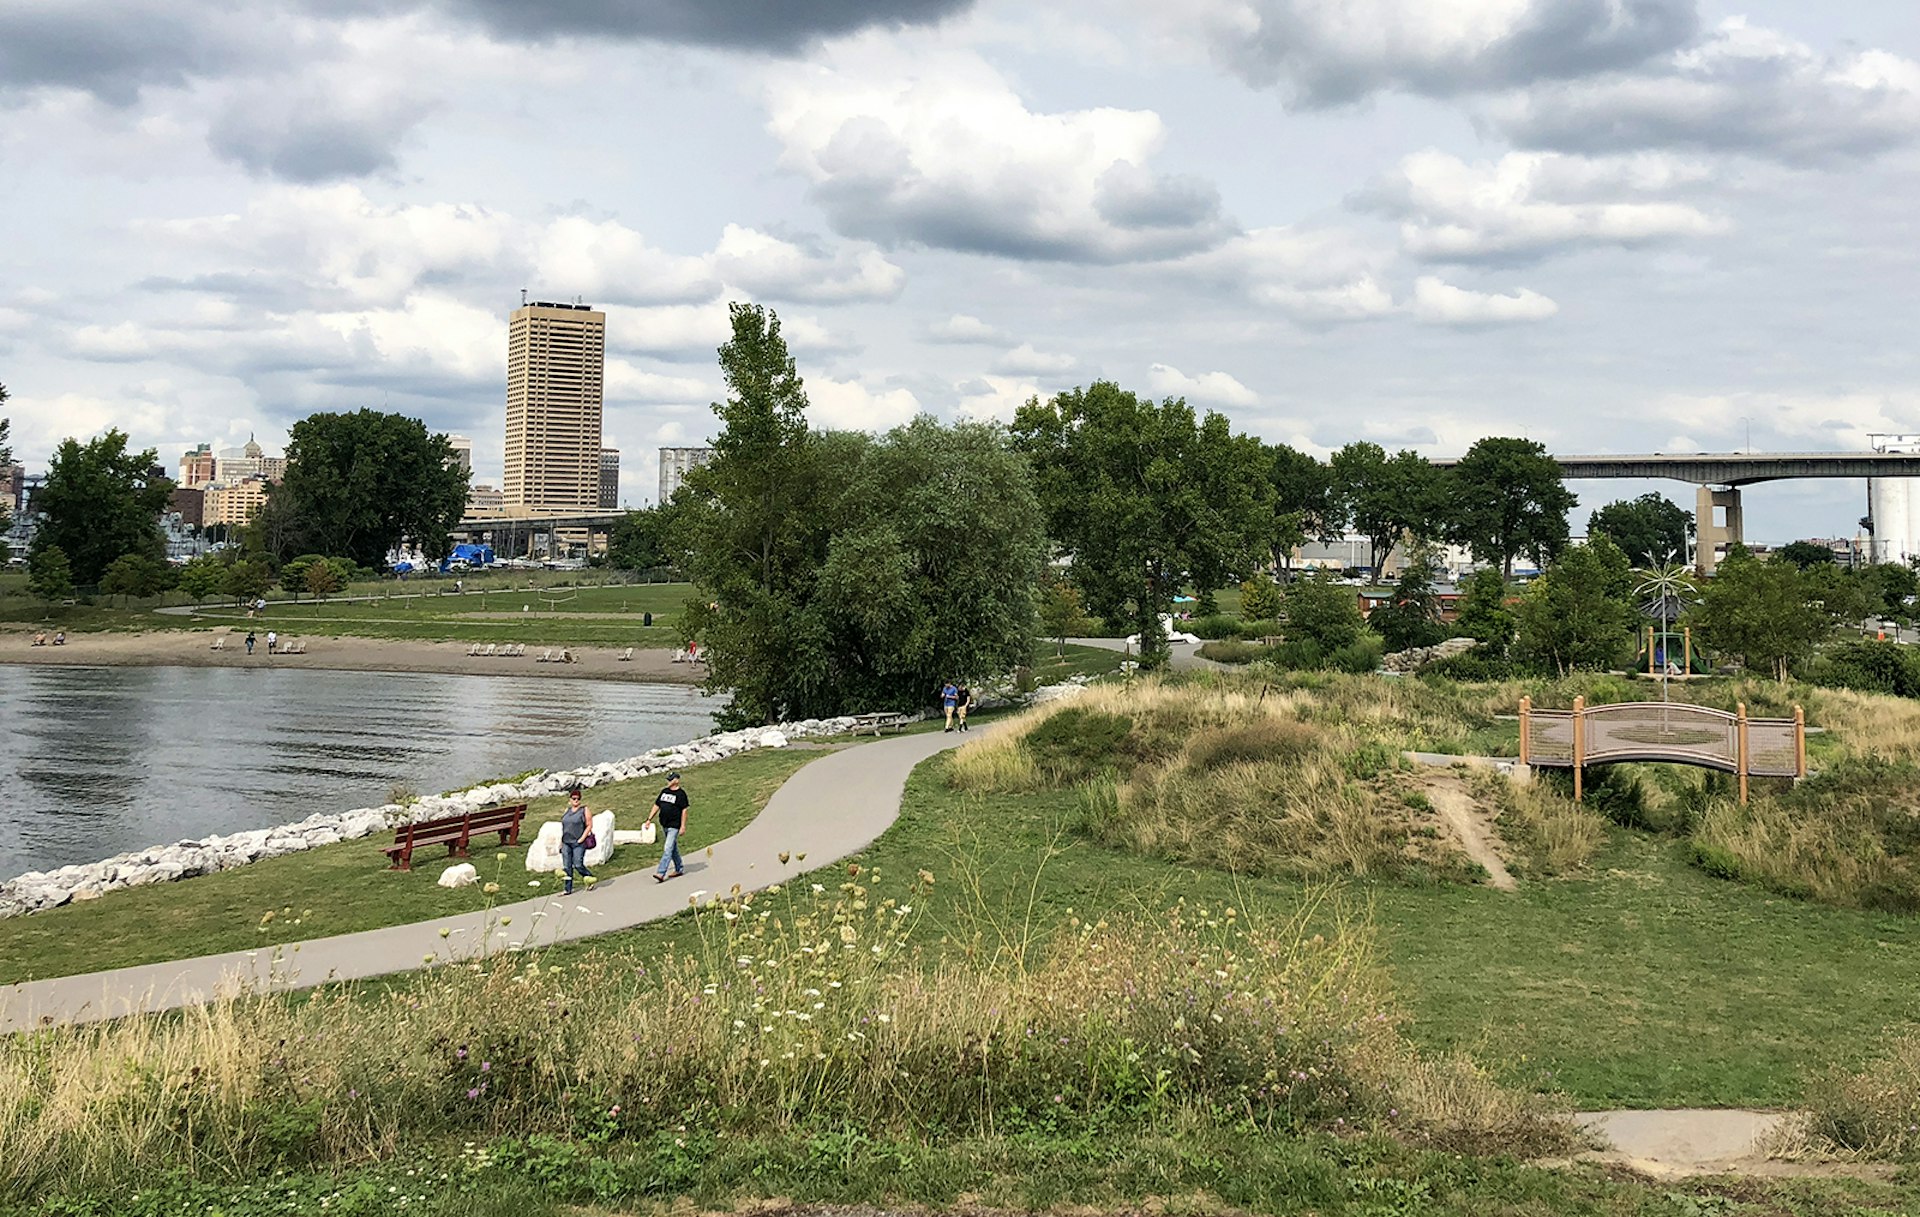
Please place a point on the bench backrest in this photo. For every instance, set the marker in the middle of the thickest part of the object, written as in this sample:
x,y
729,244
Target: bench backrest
x,y
488,819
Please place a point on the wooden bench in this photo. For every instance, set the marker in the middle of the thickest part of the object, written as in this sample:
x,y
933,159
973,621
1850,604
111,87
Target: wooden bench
x,y
875,722
455,832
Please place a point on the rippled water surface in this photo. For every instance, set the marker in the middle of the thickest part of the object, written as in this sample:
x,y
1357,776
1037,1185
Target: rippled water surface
x,y
96,761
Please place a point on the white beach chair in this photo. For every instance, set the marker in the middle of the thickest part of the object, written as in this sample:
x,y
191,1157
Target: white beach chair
x,y
473,650
546,656
490,651
219,644
519,650
626,655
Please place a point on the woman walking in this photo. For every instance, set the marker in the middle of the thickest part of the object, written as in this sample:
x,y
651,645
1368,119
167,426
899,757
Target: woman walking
x,y
576,838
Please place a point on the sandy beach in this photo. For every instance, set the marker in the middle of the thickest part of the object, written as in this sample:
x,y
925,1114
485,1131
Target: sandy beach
x,y
193,649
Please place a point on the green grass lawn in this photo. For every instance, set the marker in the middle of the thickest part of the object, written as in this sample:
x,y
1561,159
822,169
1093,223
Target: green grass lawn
x,y
338,889
1645,984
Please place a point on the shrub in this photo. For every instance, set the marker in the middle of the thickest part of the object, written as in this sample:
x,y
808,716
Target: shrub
x,y
1262,627
1874,1111
1232,651
1260,597
1360,656
1475,666
1076,743
1715,860
1868,667
1297,654
1324,611
1215,627
1548,833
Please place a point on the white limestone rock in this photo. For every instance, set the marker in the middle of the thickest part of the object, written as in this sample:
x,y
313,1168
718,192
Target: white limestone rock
x,y
461,874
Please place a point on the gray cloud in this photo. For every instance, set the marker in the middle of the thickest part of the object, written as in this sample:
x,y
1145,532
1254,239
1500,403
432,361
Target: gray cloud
x,y
1743,90
743,24
306,140
1329,54
113,50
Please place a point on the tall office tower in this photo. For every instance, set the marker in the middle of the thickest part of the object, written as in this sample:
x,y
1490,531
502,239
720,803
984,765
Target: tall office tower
x,y
197,466
556,356
462,451
676,464
609,479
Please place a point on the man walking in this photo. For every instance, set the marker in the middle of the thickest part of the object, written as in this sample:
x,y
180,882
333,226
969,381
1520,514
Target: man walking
x,y
671,806
962,699
273,640
949,698
576,837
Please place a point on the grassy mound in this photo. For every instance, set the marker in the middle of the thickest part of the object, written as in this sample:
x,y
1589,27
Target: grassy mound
x,y
804,1009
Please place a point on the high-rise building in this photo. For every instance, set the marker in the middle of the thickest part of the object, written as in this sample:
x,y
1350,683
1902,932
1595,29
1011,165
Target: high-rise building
x,y
196,467
462,451
609,479
252,461
484,500
234,502
676,464
556,357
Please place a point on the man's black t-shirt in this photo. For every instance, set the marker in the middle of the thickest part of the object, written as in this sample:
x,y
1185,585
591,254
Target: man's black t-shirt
x,y
673,806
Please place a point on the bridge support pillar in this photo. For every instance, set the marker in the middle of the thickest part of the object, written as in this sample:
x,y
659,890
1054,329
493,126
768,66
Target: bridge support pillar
x,y
1710,534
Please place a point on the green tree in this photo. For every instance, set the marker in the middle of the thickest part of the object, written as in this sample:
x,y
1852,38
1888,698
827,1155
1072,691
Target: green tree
x,y
913,592
1894,586
1061,611
204,576
1804,554
357,485
1324,612
101,502
1762,612
1145,499
759,517
1261,599
1305,507
132,575
1577,614
323,580
49,574
247,579
1507,497
293,573
1411,618
1484,615
1651,530
640,540
1386,497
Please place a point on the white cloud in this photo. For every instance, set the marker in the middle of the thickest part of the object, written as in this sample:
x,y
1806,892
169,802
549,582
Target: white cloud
x,y
1216,387
995,397
949,156
772,268
1438,302
1530,204
848,405
1327,52
964,328
1024,360
1317,276
607,262
626,383
1744,89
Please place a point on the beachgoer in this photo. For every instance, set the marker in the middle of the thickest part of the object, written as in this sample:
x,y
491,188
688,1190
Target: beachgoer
x,y
671,806
963,698
273,640
249,642
40,639
576,829
60,638
949,697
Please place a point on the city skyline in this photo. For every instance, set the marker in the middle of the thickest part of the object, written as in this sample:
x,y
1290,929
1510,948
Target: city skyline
x,y
1666,226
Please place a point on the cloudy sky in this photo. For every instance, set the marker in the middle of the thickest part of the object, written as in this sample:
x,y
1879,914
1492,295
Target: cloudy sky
x,y
1610,225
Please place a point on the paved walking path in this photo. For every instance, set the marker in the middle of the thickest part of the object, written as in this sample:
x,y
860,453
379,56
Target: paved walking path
x,y
828,809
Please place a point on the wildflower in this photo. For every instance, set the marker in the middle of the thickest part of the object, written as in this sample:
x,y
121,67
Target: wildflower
x,y
926,877
473,1092
501,856
491,888
486,1066
444,931
886,1018
506,921
848,935
614,1110
533,883
818,889
784,855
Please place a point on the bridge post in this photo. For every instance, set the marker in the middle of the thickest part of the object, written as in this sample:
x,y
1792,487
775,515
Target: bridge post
x,y
1709,536
1526,729
1579,746
1686,666
1799,743
1740,749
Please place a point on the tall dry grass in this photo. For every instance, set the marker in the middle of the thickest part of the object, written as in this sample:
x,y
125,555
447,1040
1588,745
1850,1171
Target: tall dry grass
x,y
796,1008
1873,1111
1548,833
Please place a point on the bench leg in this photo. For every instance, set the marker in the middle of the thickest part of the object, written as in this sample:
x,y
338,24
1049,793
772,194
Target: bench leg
x,y
402,858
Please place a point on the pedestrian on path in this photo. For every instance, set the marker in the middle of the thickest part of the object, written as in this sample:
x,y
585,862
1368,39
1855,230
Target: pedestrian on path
x,y
249,642
962,701
273,640
576,838
671,806
949,697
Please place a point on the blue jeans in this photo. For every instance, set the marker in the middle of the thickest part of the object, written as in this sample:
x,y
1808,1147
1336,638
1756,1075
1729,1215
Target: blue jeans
x,y
573,857
670,853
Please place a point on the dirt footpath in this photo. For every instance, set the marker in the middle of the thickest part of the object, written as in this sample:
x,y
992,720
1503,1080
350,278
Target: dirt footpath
x,y
1471,826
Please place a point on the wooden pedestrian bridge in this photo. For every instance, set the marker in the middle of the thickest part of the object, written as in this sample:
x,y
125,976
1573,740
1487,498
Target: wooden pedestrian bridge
x,y
1663,731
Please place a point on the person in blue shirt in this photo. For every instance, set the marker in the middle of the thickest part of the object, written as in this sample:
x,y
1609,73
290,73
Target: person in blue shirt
x,y
949,698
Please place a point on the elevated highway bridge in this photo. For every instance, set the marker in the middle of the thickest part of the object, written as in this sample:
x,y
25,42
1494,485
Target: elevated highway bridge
x,y
1720,475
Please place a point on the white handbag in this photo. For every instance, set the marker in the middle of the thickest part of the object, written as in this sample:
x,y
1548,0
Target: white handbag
x,y
646,833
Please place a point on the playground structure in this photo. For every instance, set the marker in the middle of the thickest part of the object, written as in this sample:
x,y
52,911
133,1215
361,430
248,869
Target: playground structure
x,y
1659,648
1663,731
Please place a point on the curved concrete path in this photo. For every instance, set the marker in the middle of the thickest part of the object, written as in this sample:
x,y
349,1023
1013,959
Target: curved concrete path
x,y
829,808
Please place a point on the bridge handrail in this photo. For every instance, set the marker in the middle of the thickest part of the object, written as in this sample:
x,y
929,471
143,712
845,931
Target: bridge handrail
x,y
1578,743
